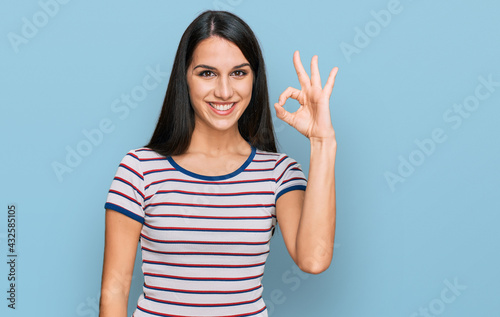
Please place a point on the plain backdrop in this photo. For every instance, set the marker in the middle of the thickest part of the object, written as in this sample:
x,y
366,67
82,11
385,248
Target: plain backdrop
x,y
415,109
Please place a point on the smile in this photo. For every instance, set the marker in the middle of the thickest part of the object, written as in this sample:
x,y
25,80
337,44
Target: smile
x,y
221,107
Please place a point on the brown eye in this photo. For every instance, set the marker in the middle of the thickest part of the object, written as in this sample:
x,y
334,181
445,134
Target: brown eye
x,y
206,73
239,73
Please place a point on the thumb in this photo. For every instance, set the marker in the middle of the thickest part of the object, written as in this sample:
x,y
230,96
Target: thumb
x,y
282,114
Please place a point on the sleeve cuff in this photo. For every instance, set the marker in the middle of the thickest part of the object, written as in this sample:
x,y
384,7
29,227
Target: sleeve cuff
x,y
124,211
286,190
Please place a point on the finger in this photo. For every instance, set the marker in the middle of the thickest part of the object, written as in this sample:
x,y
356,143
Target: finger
x,y
315,77
282,114
290,92
301,72
331,81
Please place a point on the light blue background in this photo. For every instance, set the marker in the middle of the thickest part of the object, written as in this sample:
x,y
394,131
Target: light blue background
x,y
395,248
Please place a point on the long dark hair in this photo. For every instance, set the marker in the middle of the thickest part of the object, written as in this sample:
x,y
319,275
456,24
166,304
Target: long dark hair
x,y
175,125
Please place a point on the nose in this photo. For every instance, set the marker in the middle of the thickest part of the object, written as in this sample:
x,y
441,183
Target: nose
x,y
223,90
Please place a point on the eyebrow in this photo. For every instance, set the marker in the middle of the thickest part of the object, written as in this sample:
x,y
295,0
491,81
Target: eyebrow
x,y
213,68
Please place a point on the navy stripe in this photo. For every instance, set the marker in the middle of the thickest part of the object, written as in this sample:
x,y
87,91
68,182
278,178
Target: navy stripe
x,y
208,217
202,292
208,229
196,266
211,183
111,191
158,171
205,253
280,161
286,190
286,169
161,192
117,178
205,242
259,169
210,206
132,170
133,155
201,305
145,159
217,279
124,211
210,194
165,315
293,179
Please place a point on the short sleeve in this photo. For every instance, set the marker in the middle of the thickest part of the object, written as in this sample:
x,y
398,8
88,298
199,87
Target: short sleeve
x,y
126,194
288,176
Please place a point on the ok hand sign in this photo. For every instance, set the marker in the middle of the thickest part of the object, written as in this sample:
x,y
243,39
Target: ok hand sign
x,y
312,119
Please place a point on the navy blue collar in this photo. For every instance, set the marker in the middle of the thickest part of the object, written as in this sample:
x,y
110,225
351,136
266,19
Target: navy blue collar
x,y
214,178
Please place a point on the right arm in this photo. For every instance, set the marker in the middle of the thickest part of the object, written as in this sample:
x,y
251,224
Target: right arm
x,y
121,239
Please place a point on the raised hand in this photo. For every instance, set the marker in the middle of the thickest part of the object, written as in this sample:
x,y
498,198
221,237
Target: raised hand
x,y
312,119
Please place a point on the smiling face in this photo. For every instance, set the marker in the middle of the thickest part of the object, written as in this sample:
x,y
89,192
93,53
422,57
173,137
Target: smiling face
x,y
220,84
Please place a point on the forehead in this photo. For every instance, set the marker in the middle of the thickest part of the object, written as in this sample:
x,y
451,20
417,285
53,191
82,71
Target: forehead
x,y
217,52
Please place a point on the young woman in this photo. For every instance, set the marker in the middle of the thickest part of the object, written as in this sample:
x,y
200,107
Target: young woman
x,y
204,195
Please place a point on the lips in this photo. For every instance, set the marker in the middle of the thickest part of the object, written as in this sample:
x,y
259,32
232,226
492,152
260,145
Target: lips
x,y
221,106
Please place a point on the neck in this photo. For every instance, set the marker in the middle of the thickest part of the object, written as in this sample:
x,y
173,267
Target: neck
x,y
217,143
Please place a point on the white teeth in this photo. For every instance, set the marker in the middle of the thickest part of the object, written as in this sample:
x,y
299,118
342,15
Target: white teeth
x,y
222,107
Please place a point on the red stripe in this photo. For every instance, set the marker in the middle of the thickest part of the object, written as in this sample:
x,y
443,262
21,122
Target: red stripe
x,y
130,184
281,160
204,253
208,194
202,205
284,171
161,314
205,242
207,182
152,158
292,179
204,278
209,229
203,265
199,304
159,170
132,154
202,291
132,170
215,194
122,194
207,217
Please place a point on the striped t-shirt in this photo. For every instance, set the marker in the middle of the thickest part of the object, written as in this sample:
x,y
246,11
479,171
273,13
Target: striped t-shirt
x,y
205,239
